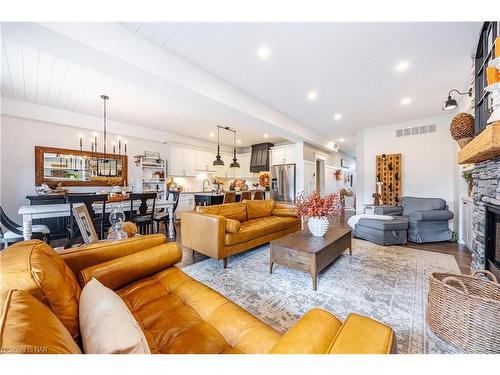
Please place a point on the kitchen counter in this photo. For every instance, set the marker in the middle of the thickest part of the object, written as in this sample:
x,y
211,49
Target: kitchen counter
x,y
214,193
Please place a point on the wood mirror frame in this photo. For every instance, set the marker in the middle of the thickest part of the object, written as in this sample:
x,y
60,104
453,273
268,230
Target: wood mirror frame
x,y
40,151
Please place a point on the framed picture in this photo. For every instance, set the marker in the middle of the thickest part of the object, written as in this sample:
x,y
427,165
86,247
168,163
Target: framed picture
x,y
152,154
85,224
344,163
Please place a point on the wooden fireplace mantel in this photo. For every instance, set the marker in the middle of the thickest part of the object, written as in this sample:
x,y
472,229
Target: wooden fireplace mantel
x,y
485,146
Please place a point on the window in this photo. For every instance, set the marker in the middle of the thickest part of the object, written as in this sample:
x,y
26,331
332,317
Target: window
x,y
484,53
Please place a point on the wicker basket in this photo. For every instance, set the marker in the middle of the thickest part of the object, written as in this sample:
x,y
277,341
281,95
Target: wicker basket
x,y
465,311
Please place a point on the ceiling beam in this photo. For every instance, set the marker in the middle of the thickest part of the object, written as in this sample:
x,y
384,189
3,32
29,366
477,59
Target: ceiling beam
x,y
128,57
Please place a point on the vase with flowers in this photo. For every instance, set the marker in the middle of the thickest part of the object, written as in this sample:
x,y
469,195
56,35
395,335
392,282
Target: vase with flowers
x,y
318,210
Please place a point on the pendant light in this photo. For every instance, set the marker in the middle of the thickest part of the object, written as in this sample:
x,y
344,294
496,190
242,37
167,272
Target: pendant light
x,y
235,163
218,162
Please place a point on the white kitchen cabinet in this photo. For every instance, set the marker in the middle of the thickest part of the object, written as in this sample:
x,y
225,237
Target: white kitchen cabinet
x,y
181,161
186,204
204,161
244,170
283,155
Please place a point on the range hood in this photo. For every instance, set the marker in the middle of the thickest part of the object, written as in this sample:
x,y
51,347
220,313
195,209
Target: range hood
x,y
259,161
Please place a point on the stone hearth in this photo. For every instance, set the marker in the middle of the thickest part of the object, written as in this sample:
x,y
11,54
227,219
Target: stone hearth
x,y
486,180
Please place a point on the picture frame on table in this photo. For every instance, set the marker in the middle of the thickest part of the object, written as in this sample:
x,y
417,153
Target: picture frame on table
x,y
85,224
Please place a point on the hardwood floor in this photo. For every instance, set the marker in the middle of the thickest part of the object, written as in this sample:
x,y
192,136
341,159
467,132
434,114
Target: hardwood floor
x,y
460,252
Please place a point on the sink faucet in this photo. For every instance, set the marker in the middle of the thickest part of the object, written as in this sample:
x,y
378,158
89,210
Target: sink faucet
x,y
208,183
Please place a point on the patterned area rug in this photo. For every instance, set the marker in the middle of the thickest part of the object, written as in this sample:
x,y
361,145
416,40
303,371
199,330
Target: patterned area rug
x,y
389,284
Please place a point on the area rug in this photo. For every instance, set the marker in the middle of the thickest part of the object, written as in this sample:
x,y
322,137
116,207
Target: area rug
x,y
386,283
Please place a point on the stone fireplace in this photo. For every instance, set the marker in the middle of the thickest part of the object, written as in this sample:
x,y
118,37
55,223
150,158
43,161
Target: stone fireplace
x,y
486,196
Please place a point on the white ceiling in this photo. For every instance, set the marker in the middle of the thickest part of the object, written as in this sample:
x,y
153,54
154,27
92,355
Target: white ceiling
x,y
37,77
350,65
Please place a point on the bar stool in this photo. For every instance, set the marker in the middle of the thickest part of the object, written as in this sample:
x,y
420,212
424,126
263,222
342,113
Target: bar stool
x,y
258,195
246,195
229,197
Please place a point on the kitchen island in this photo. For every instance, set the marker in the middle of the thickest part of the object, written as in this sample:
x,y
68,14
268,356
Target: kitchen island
x,y
210,198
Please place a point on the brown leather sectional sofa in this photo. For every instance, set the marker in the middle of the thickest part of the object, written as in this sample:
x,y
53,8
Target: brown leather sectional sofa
x,y
227,229
40,291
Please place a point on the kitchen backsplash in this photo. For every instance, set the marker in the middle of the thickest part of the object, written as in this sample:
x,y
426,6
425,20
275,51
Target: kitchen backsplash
x,y
193,184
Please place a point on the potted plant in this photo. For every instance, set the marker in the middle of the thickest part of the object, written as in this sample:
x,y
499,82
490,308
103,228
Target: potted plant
x,y
468,178
318,210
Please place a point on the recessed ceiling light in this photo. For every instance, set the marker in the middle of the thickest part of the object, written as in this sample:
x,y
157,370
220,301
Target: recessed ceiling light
x,y
312,95
337,116
212,135
266,135
405,101
263,53
402,66
238,141
341,139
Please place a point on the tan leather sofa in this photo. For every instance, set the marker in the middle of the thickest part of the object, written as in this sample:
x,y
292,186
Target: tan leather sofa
x,y
227,229
40,291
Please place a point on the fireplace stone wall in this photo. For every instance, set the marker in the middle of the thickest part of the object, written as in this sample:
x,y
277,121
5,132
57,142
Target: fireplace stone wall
x,y
486,182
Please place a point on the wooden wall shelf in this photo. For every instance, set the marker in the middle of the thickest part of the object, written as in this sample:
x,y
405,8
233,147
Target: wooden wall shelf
x,y
485,146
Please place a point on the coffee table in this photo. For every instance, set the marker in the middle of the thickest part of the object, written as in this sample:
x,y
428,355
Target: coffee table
x,y
301,250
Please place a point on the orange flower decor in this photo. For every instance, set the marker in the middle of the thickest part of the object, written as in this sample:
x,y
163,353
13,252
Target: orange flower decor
x,y
313,205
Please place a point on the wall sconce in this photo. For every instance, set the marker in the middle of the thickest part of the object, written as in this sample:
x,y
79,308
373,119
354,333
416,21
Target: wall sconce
x,y
452,103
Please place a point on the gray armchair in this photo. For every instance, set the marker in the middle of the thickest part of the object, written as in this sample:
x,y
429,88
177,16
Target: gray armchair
x,y
427,218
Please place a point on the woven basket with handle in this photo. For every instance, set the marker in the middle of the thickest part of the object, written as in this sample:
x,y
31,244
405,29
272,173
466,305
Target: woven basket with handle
x,y
465,311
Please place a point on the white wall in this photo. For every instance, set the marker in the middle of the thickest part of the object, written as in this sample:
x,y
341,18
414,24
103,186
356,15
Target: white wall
x,y
429,161
17,155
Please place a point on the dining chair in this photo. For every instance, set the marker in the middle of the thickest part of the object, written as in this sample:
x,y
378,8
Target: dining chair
x,y
229,197
143,215
163,216
246,195
98,219
258,195
14,232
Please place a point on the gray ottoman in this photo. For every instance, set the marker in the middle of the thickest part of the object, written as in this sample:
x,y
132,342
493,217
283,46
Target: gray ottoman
x,y
382,232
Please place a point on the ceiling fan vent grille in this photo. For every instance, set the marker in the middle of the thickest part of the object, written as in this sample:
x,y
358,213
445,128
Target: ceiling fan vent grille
x,y
416,130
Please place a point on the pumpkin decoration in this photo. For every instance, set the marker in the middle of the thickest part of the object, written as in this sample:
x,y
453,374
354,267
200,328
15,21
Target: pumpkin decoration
x,y
462,128
129,228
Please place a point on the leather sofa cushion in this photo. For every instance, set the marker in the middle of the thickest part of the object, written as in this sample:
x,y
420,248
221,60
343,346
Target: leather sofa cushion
x,y
181,315
27,326
237,211
256,228
232,226
259,208
34,267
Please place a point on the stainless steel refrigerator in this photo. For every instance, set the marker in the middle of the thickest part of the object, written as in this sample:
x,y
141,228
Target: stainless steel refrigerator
x,y
283,182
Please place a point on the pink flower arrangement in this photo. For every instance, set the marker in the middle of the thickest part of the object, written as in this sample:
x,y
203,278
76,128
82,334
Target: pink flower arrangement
x,y
314,205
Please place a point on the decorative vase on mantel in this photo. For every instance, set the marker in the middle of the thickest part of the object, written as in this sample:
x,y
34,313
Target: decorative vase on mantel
x,y
318,226
318,210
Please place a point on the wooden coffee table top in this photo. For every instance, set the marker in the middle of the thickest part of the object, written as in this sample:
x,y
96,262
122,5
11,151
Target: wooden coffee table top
x,y
306,242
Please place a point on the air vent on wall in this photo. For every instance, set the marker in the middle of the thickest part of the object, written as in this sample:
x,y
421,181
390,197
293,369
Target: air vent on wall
x,y
416,130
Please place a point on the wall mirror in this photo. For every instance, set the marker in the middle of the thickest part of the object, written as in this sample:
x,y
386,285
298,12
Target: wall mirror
x,y
78,168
